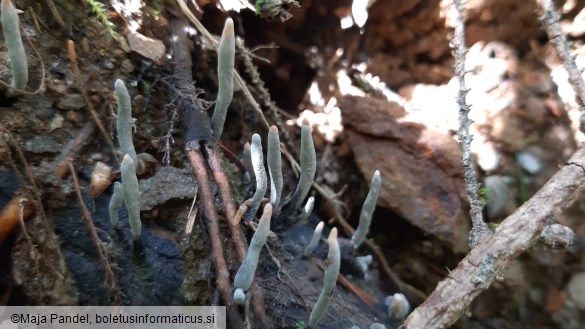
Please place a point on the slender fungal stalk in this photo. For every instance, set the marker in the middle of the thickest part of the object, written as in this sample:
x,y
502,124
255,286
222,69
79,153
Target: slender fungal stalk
x,y
314,240
274,166
260,173
131,195
329,280
18,62
115,203
225,77
308,208
124,122
367,211
550,21
245,275
308,166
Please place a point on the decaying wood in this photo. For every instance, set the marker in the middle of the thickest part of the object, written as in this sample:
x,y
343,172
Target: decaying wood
x,y
494,252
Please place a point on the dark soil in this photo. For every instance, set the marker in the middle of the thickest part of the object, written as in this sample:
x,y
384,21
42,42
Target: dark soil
x,y
404,44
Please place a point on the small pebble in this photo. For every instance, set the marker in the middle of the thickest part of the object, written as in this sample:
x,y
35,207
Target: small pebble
x,y
377,326
71,102
498,193
576,290
42,144
529,162
109,65
56,122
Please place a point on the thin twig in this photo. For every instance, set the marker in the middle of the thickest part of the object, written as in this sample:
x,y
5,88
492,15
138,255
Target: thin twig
x,y
33,193
232,156
169,137
492,255
549,18
24,211
71,148
33,189
109,276
204,190
222,182
21,211
79,82
241,211
192,214
36,20
479,228
56,14
261,91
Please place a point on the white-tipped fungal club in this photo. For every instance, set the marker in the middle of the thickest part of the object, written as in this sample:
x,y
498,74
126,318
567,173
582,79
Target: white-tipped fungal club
x,y
367,211
314,240
245,275
308,209
124,122
259,172
329,280
308,166
225,75
274,166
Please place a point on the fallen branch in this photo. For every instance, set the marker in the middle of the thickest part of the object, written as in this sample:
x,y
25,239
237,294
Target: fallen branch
x,y
494,252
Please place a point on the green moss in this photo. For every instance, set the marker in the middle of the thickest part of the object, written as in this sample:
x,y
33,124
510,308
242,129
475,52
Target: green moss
x,y
275,9
99,9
